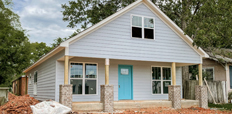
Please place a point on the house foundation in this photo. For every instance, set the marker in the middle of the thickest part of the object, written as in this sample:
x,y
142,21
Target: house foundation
x,y
174,95
66,95
107,97
201,95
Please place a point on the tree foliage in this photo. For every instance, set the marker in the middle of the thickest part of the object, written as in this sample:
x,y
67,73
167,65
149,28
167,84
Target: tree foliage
x,y
14,44
38,50
59,40
89,12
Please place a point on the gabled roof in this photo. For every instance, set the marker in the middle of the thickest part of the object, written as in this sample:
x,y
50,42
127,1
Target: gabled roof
x,y
151,6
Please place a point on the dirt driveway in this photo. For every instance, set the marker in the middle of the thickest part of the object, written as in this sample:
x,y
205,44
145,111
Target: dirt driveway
x,y
192,110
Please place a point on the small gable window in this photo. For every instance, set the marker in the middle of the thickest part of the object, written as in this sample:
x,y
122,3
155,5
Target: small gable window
x,y
142,27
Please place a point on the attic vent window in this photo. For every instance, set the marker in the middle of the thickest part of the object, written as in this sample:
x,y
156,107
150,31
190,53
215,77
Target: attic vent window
x,y
142,27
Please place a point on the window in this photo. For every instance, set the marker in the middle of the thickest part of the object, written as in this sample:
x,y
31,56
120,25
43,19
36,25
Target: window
x,y
161,79
35,82
83,77
29,81
208,73
142,27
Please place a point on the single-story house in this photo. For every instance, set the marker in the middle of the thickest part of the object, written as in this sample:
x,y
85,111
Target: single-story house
x,y
135,54
20,85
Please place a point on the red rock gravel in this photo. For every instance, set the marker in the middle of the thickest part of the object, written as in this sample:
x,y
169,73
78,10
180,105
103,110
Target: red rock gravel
x,y
18,104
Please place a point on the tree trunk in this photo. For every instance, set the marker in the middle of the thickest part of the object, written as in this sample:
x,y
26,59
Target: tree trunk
x,y
185,76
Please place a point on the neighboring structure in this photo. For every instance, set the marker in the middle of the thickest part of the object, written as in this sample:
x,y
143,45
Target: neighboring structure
x,y
219,68
20,85
134,54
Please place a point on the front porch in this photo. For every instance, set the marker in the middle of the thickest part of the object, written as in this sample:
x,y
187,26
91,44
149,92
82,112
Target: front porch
x,y
146,87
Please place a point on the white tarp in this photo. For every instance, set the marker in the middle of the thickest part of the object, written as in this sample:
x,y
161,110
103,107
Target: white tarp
x,y
50,107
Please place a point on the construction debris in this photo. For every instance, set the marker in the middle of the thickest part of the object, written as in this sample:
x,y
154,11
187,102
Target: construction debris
x,y
50,107
18,104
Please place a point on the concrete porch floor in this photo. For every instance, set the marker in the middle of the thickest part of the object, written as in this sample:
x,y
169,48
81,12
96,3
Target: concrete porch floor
x,y
130,104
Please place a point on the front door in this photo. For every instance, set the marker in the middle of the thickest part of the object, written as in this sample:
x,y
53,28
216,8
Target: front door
x,y
125,82
230,72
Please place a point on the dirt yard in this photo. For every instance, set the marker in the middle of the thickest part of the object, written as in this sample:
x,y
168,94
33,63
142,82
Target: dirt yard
x,y
192,110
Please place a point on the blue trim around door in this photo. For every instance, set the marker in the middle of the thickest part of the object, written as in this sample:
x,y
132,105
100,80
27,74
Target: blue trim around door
x,y
230,73
128,96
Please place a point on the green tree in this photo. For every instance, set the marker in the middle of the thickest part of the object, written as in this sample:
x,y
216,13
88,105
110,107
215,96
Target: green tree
x,y
14,44
60,40
89,12
38,50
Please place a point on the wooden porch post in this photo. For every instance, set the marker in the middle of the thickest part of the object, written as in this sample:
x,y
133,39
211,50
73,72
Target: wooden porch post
x,y
66,59
200,74
107,64
173,73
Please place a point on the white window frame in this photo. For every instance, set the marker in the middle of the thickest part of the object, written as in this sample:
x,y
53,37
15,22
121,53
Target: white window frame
x,y
160,80
83,78
204,69
35,85
142,26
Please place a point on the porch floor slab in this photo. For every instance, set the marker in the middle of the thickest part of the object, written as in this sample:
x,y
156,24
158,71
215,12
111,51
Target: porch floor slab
x,y
130,104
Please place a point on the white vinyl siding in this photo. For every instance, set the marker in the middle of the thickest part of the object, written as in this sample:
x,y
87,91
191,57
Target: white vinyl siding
x,y
114,41
46,79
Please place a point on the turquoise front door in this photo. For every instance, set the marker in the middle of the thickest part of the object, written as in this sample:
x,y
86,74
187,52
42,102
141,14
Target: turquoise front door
x,y
125,82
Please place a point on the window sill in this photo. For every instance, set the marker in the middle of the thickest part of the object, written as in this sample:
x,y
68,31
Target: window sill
x,y
85,94
160,94
142,38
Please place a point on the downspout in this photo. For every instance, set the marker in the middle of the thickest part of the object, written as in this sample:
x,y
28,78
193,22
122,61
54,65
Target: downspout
x,y
226,99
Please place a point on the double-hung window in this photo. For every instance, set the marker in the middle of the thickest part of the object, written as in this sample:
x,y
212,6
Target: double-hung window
x,y
142,27
35,82
83,77
208,73
161,79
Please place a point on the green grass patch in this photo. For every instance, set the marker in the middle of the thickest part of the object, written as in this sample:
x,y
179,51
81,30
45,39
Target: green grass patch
x,y
221,106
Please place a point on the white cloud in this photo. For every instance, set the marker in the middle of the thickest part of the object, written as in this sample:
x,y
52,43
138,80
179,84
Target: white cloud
x,y
42,19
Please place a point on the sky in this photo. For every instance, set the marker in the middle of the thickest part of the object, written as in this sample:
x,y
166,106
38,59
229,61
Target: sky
x,y
42,19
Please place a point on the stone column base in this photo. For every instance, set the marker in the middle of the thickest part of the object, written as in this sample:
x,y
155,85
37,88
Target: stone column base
x,y
201,95
107,97
174,95
66,95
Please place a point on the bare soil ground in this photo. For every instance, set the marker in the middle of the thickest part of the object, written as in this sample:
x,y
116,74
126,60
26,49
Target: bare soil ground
x,y
163,110
192,110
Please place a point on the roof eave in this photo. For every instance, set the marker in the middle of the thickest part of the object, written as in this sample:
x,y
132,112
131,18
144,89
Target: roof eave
x,y
44,58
